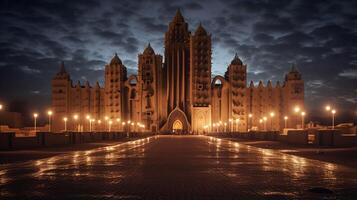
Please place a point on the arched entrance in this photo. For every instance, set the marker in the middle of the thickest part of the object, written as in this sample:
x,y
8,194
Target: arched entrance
x,y
177,126
177,123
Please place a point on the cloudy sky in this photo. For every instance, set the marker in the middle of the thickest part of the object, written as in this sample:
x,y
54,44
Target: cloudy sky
x,y
269,36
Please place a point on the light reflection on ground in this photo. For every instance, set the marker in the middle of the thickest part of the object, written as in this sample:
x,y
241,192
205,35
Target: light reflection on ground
x,y
176,167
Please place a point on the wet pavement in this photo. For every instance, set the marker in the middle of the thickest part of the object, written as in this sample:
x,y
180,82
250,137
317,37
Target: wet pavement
x,y
177,167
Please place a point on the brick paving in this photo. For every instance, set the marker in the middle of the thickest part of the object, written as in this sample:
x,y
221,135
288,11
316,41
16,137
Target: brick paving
x,y
177,167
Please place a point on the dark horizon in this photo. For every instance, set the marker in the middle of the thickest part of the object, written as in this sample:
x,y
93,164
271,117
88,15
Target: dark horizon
x,y
269,37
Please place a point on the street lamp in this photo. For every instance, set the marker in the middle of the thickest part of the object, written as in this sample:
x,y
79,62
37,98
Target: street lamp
x,y
35,115
333,118
265,123
90,123
225,127
328,108
65,123
250,116
75,117
99,122
260,122
302,119
286,121
297,110
49,119
237,120
109,125
118,121
230,125
272,114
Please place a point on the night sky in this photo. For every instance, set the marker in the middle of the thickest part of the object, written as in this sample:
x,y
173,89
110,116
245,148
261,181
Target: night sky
x,y
269,36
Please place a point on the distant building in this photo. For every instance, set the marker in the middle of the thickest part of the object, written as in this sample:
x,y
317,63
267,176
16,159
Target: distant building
x,y
176,93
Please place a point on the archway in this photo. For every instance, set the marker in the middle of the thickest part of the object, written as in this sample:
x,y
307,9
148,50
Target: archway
x,y
177,125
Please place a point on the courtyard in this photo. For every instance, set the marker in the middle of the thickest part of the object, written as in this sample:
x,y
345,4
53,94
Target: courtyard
x,y
177,167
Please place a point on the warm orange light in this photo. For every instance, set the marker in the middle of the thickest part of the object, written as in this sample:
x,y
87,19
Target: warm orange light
x,y
106,118
49,112
118,119
286,118
99,121
65,119
88,117
302,113
250,115
264,118
272,114
297,109
328,108
333,111
75,117
35,115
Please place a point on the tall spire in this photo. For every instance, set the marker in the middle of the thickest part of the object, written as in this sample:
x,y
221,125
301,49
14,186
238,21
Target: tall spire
x,y
149,50
115,60
178,17
62,68
236,60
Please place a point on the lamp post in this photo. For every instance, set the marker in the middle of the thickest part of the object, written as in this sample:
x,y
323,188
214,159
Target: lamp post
x,y
118,122
260,123
296,110
110,125
237,120
75,117
250,116
272,114
89,122
1,106
265,123
302,119
49,119
65,123
230,125
225,127
99,123
328,108
333,118
286,121
35,115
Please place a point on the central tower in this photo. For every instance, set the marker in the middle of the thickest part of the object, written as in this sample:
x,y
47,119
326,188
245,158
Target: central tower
x,y
177,61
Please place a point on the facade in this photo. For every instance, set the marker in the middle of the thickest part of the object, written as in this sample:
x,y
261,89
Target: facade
x,y
177,93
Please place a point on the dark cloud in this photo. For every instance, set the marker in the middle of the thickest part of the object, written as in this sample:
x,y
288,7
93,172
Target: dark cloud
x,y
320,36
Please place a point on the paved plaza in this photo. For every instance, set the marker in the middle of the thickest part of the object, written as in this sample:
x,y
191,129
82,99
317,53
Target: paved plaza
x,y
177,167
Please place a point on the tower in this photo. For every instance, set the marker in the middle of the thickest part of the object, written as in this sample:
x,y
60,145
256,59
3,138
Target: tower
x,y
149,78
61,84
200,79
293,95
115,76
177,58
177,68
237,77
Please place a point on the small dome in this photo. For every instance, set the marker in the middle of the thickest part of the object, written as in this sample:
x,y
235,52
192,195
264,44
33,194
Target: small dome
x,y
236,61
115,60
149,50
200,30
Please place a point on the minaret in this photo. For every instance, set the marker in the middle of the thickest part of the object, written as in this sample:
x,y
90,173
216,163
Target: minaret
x,y
176,66
293,93
149,79
200,79
115,75
237,77
61,84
